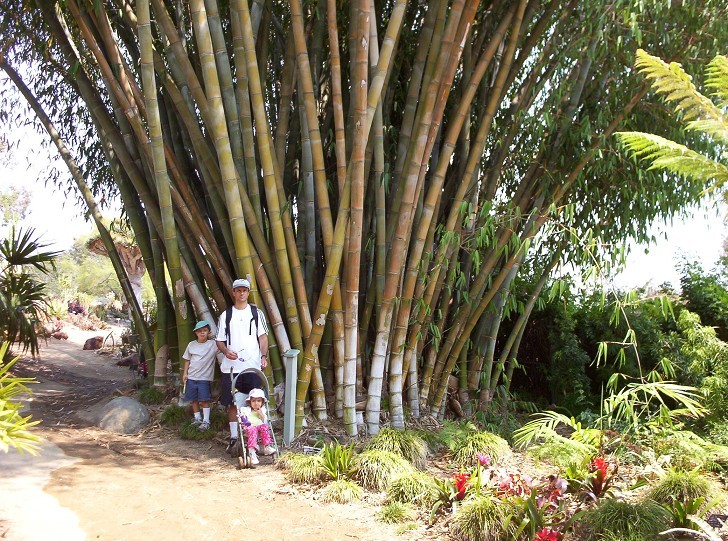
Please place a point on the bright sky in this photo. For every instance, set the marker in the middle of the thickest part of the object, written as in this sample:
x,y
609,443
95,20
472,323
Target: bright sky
x,y
701,237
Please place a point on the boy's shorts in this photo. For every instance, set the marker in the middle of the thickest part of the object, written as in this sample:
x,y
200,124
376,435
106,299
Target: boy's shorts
x,y
197,390
245,383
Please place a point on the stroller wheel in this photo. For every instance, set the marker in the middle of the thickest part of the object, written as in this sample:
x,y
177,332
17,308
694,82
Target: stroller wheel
x,y
241,463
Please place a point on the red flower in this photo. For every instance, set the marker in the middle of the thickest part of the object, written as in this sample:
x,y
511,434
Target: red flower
x,y
599,464
547,534
461,484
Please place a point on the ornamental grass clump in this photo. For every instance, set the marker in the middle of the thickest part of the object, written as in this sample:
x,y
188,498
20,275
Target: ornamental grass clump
x,y
341,491
418,489
484,518
618,519
300,468
395,513
402,442
682,486
376,469
466,450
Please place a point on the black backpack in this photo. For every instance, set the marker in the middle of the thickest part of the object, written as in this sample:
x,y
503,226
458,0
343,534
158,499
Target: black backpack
x,y
229,317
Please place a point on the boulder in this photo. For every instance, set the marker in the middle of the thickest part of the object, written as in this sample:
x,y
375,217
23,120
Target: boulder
x,y
94,343
123,415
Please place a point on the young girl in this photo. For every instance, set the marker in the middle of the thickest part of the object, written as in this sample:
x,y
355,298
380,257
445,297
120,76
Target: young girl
x,y
256,424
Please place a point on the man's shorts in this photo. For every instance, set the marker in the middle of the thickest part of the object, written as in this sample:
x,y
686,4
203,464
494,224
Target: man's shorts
x,y
245,383
197,390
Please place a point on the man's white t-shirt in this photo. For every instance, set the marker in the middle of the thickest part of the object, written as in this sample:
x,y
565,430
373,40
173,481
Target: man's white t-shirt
x,y
243,339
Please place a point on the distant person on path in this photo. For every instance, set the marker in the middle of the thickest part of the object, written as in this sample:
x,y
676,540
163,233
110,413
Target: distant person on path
x,y
255,419
242,338
74,307
198,373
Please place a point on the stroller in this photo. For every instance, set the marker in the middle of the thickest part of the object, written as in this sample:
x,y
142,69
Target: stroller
x,y
242,384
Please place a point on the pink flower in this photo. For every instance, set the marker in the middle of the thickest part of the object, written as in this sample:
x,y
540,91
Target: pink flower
x,y
483,460
547,534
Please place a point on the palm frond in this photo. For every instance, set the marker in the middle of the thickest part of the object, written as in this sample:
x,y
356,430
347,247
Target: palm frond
x,y
716,77
543,425
671,81
674,157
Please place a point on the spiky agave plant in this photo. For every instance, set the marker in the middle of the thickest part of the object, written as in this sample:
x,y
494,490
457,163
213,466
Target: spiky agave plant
x,y
403,442
341,491
337,460
376,469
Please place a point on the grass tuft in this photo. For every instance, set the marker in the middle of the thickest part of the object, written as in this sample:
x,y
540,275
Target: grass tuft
x,y
341,491
395,513
484,518
402,442
300,468
467,449
150,395
173,415
683,486
617,519
376,469
406,527
418,489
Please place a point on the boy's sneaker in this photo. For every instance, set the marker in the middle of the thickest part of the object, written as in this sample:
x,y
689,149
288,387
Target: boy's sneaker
x,y
231,445
268,450
203,426
196,422
253,457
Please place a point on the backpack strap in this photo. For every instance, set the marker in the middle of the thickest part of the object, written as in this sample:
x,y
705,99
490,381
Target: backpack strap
x,y
228,318
254,310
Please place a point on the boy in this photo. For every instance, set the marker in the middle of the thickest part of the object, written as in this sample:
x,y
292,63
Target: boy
x,y
198,372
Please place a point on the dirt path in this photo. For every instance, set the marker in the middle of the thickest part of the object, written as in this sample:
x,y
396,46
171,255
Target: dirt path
x,y
154,485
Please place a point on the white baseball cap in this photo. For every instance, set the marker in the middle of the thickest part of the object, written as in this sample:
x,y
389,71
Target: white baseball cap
x,y
241,282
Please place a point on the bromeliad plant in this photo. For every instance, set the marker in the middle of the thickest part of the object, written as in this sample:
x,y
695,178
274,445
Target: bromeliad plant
x,y
337,461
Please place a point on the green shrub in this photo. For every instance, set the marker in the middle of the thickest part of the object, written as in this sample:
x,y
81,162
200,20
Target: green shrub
x,y
402,442
376,469
688,451
173,415
395,512
484,518
418,489
617,519
341,491
467,449
683,486
561,452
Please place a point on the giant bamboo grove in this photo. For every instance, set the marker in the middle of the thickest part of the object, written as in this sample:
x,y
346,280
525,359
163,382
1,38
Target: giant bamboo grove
x,y
396,178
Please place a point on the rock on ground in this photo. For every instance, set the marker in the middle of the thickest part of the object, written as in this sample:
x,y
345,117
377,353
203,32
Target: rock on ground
x,y
123,415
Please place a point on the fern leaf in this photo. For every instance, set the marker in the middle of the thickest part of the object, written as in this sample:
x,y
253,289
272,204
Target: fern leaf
x,y
671,81
716,77
674,157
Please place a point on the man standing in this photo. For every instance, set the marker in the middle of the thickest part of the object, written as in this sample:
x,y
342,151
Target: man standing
x,y
242,338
